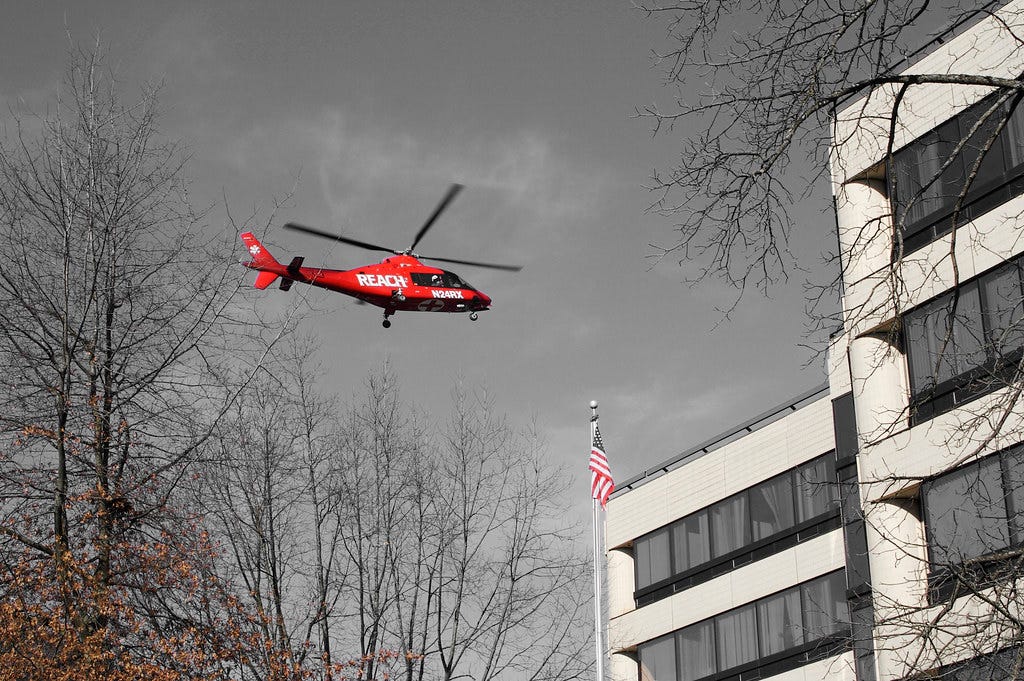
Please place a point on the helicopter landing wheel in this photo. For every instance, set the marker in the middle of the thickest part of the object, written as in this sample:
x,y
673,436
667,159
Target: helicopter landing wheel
x,y
473,316
386,323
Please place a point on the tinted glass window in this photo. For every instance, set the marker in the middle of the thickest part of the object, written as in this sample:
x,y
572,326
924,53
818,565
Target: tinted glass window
x,y
691,542
1013,467
697,651
1002,666
771,506
923,187
652,558
966,513
736,632
1014,142
966,342
658,660
824,605
983,150
854,530
845,423
815,488
729,525
1003,310
781,622
863,620
945,338
426,279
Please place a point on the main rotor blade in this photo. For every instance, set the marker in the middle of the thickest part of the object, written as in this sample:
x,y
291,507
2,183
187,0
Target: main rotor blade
x,y
452,193
473,263
338,237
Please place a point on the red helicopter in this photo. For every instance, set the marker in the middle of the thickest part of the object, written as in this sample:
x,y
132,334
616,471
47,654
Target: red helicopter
x,y
399,282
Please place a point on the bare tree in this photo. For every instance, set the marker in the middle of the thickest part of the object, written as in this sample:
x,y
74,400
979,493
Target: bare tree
x,y
507,575
270,495
414,551
115,315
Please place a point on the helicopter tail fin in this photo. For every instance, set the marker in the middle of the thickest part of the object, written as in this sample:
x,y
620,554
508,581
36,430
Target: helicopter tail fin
x,y
262,260
265,279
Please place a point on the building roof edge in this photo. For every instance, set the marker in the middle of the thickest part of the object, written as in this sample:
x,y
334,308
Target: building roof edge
x,y
760,421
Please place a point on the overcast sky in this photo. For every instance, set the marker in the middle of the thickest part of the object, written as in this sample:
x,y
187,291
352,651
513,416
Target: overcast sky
x,y
378,107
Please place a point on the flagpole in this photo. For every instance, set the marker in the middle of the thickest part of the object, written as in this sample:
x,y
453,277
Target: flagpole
x,y
598,633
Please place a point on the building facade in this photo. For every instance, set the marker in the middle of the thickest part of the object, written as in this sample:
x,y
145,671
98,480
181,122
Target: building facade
x,y
721,569
930,205
872,530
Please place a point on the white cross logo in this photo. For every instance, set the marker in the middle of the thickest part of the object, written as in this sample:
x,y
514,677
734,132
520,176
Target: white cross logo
x,y
254,249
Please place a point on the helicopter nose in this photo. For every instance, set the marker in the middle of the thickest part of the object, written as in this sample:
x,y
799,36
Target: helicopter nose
x,y
483,299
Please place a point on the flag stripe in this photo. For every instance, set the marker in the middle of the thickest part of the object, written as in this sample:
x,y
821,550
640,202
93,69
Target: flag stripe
x,y
601,483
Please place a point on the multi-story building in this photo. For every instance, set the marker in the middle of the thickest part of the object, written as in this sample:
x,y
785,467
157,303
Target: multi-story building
x,y
874,529
727,561
928,181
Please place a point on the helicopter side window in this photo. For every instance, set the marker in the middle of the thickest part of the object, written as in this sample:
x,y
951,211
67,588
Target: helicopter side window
x,y
424,279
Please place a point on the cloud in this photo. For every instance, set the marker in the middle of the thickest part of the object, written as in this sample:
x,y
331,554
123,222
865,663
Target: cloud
x,y
352,157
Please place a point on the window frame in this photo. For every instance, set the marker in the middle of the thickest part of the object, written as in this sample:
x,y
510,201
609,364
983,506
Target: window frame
x,y
943,577
809,650
982,196
937,397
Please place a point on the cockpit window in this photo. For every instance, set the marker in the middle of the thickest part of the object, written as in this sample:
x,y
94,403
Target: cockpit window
x,y
442,280
452,280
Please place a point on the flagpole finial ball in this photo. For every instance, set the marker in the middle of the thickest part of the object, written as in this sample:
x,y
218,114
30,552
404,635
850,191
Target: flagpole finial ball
x,y
593,404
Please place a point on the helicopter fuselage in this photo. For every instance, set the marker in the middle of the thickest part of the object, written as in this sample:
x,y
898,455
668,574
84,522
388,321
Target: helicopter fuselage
x,y
397,283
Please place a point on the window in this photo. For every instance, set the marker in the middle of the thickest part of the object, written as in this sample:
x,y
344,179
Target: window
x,y
971,512
691,542
771,506
787,627
1001,666
966,342
736,637
783,628
659,659
824,606
697,651
967,513
756,522
652,555
730,525
815,489
844,421
1013,467
862,621
929,175
444,280
854,531
452,280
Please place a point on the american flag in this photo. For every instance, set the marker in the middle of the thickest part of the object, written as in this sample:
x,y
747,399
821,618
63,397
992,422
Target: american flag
x,y
601,483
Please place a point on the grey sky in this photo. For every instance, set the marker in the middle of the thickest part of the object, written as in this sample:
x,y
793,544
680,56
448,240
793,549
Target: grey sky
x,y
379,106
